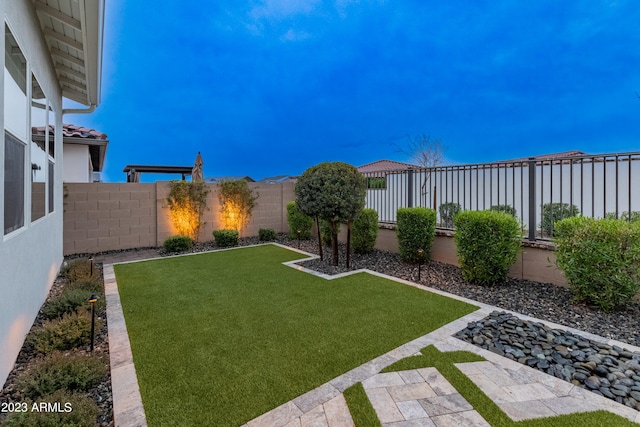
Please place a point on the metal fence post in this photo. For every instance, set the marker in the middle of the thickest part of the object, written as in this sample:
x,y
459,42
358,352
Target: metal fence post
x,y
532,199
410,188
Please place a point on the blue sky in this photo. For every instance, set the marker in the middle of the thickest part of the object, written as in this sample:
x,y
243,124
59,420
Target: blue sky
x,y
273,87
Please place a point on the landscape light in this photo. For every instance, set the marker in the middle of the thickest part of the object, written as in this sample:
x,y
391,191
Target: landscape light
x,y
92,299
420,252
91,263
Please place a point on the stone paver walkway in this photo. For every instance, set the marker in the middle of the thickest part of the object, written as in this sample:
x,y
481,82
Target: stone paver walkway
x,y
421,397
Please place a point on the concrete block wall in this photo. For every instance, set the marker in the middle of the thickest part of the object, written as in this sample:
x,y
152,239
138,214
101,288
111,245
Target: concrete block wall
x,y
101,217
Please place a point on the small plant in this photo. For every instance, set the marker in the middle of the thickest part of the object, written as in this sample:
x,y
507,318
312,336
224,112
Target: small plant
x,y
69,301
487,243
70,331
298,221
365,231
553,212
448,211
266,234
89,286
59,371
177,244
600,259
504,208
624,216
416,229
326,233
77,410
78,269
187,203
225,238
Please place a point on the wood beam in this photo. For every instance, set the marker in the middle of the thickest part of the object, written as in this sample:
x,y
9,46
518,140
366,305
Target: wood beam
x,y
66,56
63,39
72,83
57,15
70,71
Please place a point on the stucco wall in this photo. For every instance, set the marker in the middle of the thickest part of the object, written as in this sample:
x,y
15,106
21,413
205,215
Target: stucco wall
x,y
77,163
31,256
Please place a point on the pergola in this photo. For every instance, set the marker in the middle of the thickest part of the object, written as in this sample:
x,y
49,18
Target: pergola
x,y
133,171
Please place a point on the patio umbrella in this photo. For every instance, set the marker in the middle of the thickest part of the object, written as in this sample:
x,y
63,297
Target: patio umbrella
x,y
196,173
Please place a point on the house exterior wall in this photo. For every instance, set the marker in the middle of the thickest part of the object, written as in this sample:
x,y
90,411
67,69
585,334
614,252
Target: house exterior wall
x,y
30,257
77,163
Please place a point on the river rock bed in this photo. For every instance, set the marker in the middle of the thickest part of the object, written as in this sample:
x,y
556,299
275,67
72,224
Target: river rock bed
x,y
609,371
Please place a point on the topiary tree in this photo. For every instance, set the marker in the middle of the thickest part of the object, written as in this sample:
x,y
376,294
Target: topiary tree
x,y
333,191
187,202
237,202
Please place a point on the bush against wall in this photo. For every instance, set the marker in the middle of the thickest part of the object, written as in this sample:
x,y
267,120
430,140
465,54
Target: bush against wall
x,y
553,212
365,231
237,202
177,244
267,235
298,222
600,258
448,211
187,203
225,238
487,243
416,229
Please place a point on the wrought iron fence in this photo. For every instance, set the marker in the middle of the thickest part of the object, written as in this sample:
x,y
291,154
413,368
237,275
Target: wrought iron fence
x,y
537,191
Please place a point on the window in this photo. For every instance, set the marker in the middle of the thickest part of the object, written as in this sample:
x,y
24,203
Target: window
x,y
39,137
15,133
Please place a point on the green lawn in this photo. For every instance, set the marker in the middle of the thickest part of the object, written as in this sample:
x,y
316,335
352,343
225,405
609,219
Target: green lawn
x,y
220,338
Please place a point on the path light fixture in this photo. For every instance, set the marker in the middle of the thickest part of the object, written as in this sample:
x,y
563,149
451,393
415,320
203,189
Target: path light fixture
x,y
91,264
92,299
420,253
299,233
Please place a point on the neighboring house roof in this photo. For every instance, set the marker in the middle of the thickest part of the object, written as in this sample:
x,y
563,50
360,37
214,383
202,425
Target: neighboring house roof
x,y
73,31
278,179
216,179
72,134
385,165
552,156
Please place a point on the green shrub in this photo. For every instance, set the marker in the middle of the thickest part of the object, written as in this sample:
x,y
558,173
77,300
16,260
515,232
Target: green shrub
x,y
69,331
266,234
78,269
325,231
298,222
448,211
225,238
553,212
504,208
600,259
624,216
59,371
416,229
177,244
89,286
69,301
81,412
364,231
487,244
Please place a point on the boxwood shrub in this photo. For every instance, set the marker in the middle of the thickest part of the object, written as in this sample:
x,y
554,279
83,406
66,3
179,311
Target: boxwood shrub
x,y
266,234
554,212
177,244
487,244
225,238
600,259
416,229
298,222
364,231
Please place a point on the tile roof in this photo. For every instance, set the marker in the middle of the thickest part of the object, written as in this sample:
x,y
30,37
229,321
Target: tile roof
x,y
385,165
72,131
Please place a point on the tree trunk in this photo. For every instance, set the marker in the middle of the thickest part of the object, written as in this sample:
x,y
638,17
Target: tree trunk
x,y
348,244
319,238
334,242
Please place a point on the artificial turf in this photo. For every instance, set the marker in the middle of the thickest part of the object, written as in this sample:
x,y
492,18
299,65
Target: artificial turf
x,y
220,338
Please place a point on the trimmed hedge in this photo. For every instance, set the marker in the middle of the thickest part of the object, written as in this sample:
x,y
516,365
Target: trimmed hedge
x,y
416,229
364,231
266,234
177,244
448,211
554,212
225,238
600,259
298,221
487,244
